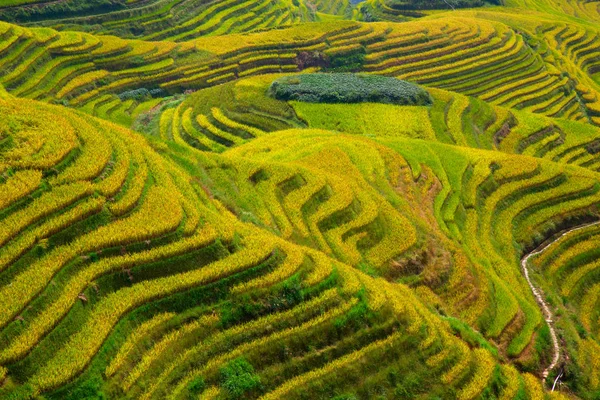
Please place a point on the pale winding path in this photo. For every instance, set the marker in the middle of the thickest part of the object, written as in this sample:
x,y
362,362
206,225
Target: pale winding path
x,y
548,315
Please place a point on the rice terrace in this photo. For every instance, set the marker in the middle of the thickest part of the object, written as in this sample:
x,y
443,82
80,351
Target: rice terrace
x,y
300,199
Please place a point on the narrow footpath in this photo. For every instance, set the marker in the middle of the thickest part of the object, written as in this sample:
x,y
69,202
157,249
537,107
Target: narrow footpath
x,y
539,296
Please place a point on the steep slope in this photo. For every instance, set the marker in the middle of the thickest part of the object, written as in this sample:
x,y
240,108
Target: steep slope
x,y
96,282
493,207
567,45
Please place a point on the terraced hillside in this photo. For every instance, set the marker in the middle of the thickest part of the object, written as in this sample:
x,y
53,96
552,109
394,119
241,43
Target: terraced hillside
x,y
169,229
104,75
96,288
184,19
152,19
108,293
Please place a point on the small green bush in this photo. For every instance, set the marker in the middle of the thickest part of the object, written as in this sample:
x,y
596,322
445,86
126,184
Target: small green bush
x,y
196,386
348,88
347,62
238,378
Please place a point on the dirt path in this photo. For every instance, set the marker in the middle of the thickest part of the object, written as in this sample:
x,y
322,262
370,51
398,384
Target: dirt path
x,y
539,296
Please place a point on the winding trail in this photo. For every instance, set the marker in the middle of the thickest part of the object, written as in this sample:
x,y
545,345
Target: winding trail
x,y
539,295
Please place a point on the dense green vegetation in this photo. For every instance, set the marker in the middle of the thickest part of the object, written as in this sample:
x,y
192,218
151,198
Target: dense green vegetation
x,y
348,88
57,9
293,199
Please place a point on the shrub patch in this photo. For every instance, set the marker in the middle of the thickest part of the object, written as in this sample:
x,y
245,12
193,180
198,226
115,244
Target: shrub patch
x,y
348,88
